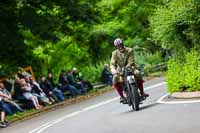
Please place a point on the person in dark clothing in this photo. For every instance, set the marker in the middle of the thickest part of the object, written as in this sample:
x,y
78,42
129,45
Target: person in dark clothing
x,y
66,86
3,122
106,75
50,94
52,86
38,92
79,78
73,82
18,93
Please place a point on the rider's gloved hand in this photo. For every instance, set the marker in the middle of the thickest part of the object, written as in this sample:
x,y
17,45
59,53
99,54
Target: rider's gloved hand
x,y
137,72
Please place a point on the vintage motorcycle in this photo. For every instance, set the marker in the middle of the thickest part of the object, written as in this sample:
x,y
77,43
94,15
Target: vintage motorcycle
x,y
133,96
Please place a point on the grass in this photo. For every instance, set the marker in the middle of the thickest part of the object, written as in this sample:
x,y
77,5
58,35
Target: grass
x,y
20,114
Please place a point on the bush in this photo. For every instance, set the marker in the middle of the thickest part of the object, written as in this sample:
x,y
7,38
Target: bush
x,y
93,73
184,72
148,60
176,24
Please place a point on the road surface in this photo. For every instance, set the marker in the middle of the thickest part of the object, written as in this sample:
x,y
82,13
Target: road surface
x,y
104,114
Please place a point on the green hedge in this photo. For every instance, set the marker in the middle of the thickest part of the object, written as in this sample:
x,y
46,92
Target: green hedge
x,y
184,72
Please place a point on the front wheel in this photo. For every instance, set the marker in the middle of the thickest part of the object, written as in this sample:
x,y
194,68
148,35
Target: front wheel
x,y
135,99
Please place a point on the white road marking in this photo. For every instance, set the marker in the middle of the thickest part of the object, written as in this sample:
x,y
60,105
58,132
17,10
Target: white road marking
x,y
32,131
175,102
154,86
100,104
160,99
49,124
42,129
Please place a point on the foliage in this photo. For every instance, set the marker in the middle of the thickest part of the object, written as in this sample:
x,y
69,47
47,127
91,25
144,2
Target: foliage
x,y
184,72
54,35
176,24
148,58
92,73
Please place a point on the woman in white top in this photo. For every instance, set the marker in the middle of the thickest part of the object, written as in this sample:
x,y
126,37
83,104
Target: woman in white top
x,y
28,95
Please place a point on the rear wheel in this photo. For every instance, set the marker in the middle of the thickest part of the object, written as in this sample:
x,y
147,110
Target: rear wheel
x,y
135,100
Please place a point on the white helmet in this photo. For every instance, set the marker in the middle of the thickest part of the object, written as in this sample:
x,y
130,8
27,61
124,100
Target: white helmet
x,y
118,42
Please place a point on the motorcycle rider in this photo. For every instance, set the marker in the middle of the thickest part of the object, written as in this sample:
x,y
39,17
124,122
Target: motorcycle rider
x,y
124,56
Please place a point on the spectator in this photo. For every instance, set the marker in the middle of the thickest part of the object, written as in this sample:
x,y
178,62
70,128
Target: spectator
x,y
28,95
106,75
47,90
79,78
3,122
66,86
38,92
78,84
18,93
7,101
51,85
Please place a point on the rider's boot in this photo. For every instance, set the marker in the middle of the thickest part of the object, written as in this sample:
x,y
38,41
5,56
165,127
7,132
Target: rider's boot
x,y
144,94
123,100
140,86
119,89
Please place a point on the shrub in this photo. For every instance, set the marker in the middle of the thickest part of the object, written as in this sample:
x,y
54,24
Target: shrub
x,y
176,24
93,73
184,72
148,60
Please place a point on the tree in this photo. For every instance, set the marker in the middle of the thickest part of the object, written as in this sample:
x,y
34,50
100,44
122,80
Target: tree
x,y
61,34
177,24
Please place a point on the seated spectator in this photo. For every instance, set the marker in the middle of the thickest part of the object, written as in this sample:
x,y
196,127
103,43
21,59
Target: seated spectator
x,y
17,89
3,122
79,78
38,92
7,102
28,95
106,75
48,91
79,85
52,86
66,86
18,94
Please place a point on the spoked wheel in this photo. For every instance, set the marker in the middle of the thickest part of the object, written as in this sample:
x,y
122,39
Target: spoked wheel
x,y
135,99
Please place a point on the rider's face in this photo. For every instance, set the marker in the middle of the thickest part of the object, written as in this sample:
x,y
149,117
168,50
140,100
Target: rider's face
x,y
121,49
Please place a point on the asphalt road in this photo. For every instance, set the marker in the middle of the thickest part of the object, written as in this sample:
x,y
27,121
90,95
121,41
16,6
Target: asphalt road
x,y
104,114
